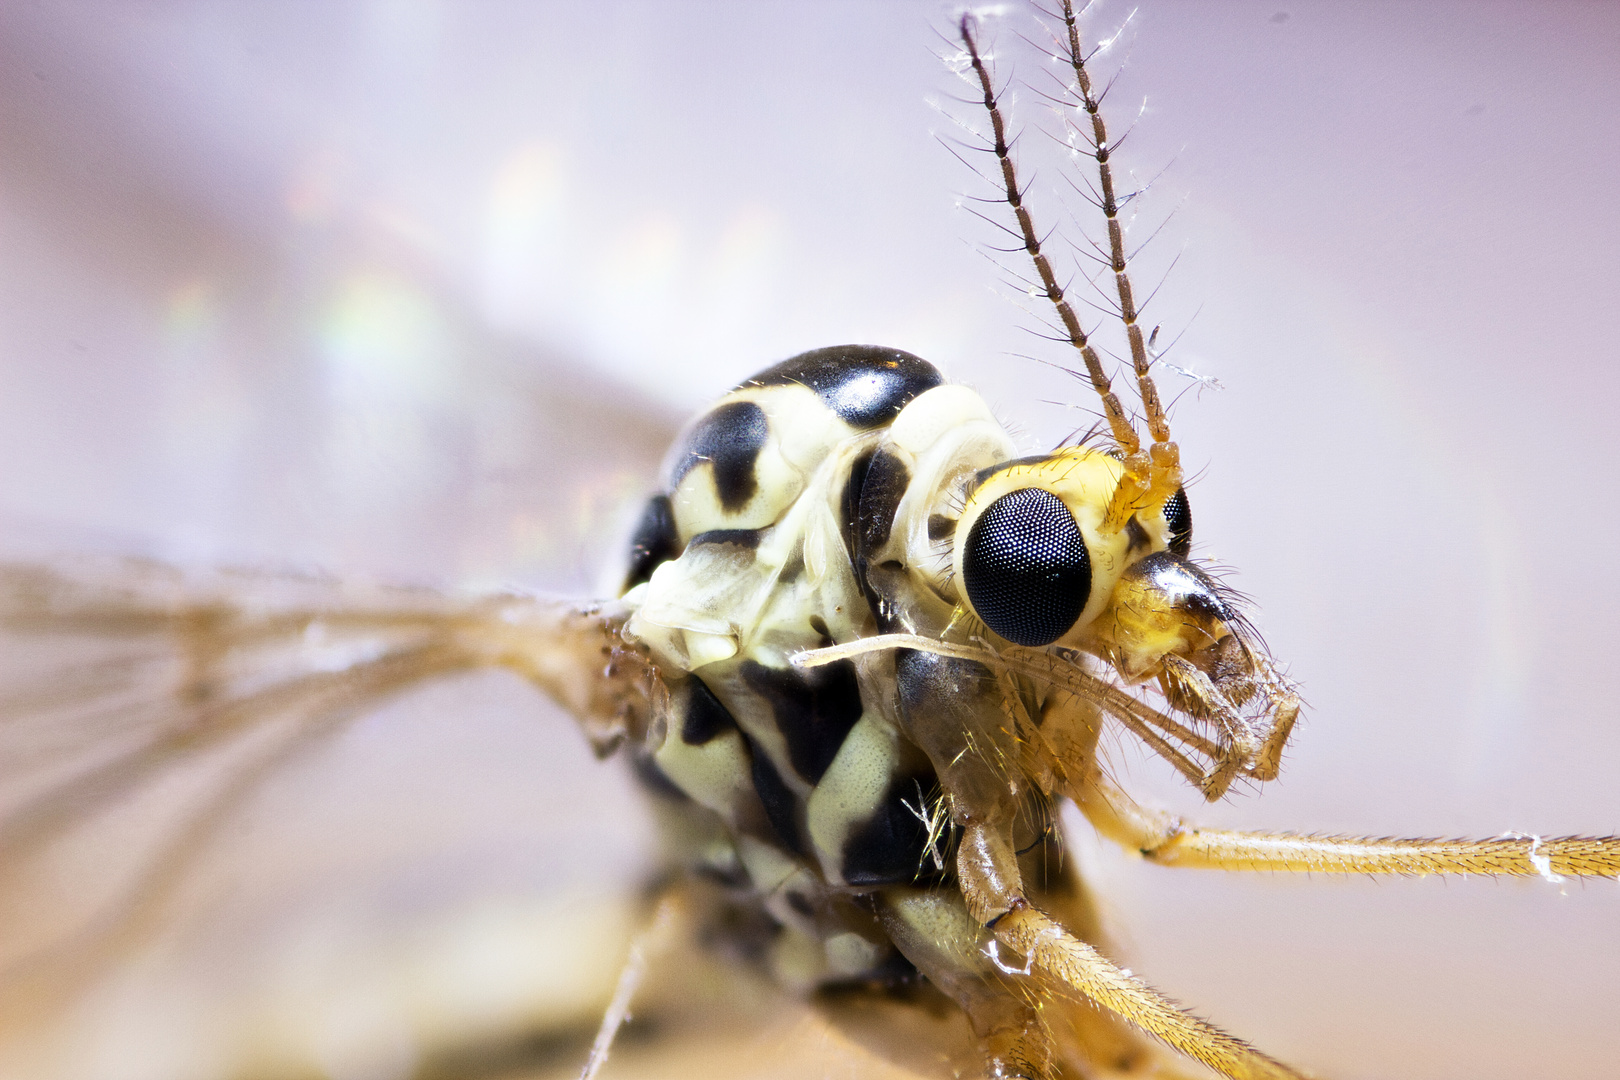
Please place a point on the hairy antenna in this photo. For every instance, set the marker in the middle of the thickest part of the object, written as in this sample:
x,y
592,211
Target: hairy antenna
x,y
1119,424
1151,477
1166,456
1158,426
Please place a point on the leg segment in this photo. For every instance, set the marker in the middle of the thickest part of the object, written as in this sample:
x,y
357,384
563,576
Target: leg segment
x,y
1167,839
650,941
963,718
934,932
1062,961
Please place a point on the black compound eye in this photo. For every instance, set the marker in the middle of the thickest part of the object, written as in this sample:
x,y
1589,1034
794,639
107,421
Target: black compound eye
x,y
1178,515
1026,568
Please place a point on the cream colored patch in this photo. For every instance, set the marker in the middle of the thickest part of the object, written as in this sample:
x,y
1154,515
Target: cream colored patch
x,y
940,919
715,774
768,866
849,954
801,432
852,789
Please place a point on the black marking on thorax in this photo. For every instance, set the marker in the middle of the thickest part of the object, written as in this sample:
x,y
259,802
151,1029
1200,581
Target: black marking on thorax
x,y
884,484
706,718
747,538
655,541
782,808
891,846
849,501
866,385
849,522
730,437
814,710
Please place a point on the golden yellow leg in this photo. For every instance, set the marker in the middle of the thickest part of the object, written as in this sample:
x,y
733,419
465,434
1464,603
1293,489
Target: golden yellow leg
x,y
1028,942
1171,841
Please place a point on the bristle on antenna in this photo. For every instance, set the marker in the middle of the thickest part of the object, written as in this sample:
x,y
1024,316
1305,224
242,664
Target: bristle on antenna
x,y
1151,477
1166,457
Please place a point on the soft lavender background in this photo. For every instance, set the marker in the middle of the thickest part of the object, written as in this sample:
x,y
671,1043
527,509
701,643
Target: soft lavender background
x,y
372,286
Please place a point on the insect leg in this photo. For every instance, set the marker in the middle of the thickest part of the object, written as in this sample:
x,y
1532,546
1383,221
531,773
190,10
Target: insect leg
x,y
933,930
1063,961
1092,1040
1171,841
648,943
1283,715
1253,745
953,710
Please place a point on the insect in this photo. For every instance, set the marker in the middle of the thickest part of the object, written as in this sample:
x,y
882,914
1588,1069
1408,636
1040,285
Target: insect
x,y
1245,810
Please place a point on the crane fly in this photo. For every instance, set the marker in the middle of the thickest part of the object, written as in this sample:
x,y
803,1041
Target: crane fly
x,y
1444,471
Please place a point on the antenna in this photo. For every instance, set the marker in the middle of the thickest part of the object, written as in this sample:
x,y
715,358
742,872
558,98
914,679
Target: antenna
x,y
1151,477
1119,424
1165,455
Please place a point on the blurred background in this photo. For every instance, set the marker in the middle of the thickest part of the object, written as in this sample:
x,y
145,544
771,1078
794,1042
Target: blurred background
x,y
413,291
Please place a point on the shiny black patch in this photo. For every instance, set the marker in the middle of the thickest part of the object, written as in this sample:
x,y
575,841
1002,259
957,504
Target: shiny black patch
x,y
655,541
891,846
866,385
706,718
886,483
941,527
781,808
849,501
748,538
730,437
814,710
1178,515
1185,585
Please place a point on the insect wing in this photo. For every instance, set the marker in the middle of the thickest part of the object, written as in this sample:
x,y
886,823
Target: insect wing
x,y
1403,315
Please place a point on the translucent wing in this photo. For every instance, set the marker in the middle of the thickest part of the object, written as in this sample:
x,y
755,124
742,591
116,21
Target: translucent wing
x,y
185,756
166,733
228,235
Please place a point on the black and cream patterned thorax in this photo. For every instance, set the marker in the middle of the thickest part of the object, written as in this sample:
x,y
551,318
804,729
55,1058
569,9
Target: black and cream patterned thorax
x,y
818,503
748,560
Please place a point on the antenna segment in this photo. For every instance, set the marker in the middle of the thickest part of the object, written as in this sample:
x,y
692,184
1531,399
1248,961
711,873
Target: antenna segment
x,y
1151,477
1166,457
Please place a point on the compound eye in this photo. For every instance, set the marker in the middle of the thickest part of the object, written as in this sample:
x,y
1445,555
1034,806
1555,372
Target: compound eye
x,y
1026,568
1178,516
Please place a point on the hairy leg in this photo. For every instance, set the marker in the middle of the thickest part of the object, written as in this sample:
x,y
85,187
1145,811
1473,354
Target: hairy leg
x,y
1170,840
